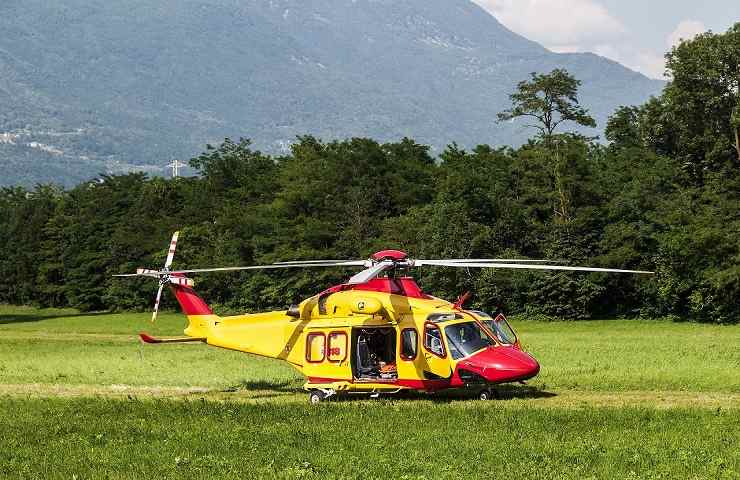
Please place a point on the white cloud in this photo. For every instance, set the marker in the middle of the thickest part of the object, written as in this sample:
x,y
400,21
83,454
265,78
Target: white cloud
x,y
567,26
567,48
645,61
686,30
650,63
561,25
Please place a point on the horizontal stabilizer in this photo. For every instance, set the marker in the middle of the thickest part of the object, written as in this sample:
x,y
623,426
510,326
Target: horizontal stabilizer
x,y
149,339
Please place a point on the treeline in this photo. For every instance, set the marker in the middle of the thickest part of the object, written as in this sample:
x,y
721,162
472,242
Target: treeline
x,y
662,195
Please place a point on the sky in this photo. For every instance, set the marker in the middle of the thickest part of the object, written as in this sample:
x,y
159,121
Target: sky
x,y
635,33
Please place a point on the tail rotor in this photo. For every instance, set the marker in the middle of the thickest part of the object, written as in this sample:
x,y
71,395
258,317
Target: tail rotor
x,y
171,252
165,276
156,302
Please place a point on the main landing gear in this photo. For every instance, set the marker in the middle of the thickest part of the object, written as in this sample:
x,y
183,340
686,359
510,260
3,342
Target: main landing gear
x,y
317,396
487,394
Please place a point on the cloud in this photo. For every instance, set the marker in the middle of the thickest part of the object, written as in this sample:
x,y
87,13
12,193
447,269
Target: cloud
x,y
567,26
645,61
561,25
650,63
686,30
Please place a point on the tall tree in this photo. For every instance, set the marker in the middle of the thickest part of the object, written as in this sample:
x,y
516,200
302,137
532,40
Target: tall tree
x,y
735,124
550,99
701,102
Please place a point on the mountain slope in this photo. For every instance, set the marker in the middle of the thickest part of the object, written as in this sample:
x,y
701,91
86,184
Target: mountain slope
x,y
89,86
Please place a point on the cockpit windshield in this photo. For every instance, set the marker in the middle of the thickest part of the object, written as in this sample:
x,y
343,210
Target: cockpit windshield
x,y
466,338
499,326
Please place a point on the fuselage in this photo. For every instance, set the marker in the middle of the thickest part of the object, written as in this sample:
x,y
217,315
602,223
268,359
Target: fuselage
x,y
384,335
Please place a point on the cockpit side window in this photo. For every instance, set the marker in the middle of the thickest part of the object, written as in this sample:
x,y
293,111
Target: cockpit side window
x,y
409,343
433,340
499,326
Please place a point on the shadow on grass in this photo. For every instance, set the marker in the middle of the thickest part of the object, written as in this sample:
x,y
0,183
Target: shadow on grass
x,y
500,393
265,386
269,389
6,319
511,392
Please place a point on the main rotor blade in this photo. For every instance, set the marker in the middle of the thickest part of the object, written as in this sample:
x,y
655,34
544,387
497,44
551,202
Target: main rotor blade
x,y
156,302
479,260
273,266
171,252
370,273
309,262
529,267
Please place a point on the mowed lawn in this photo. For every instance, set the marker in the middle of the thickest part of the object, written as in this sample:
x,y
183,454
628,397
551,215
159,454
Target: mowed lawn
x,y
58,347
81,398
104,438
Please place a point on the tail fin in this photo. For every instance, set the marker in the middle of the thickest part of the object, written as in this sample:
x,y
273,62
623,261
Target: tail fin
x,y
200,316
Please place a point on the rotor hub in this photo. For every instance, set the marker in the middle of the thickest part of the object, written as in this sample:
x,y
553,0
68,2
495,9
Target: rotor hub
x,y
393,255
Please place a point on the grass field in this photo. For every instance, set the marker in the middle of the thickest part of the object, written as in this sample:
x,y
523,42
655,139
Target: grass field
x,y
81,398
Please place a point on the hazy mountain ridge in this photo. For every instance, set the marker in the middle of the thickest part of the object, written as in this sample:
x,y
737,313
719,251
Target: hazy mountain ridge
x,y
151,80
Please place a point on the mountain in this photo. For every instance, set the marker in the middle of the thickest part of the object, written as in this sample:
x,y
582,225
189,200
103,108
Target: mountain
x,y
94,86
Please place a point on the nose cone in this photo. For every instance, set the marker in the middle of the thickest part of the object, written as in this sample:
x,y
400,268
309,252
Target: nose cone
x,y
501,364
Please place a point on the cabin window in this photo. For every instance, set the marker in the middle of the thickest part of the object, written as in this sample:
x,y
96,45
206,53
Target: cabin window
x,y
337,346
433,340
315,347
409,343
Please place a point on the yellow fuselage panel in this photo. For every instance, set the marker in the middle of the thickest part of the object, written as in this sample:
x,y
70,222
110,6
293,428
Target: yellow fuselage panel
x,y
319,345
346,303
267,334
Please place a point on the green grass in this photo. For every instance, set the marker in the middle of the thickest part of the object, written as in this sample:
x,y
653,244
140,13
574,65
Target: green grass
x,y
61,347
615,355
615,399
364,440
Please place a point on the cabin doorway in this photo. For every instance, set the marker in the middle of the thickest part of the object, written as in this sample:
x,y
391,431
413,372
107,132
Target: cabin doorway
x,y
374,354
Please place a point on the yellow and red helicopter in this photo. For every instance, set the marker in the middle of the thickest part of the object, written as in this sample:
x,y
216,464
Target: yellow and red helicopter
x,y
376,333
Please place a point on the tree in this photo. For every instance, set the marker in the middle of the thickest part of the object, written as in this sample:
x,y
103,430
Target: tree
x,y
234,166
550,99
700,103
735,124
623,128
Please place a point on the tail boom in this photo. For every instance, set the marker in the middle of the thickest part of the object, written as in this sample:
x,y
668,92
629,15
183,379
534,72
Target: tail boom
x,y
200,316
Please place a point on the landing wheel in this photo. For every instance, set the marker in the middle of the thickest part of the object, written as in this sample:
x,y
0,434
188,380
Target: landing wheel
x,y
486,394
315,397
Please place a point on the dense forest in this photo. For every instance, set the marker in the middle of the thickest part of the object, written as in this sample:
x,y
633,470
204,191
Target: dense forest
x,y
662,193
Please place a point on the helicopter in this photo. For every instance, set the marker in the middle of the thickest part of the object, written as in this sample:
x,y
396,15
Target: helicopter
x,y
377,333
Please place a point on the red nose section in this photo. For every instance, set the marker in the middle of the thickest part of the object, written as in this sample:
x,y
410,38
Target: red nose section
x,y
500,365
